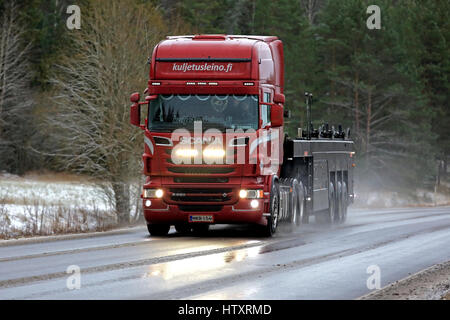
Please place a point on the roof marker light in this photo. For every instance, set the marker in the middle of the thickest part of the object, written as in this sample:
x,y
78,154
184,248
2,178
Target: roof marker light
x,y
248,84
213,83
201,83
156,83
190,83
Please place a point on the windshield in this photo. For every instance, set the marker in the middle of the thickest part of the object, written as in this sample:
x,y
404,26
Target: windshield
x,y
169,112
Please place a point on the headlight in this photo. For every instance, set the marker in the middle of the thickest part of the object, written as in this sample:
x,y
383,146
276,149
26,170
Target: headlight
x,y
153,193
213,153
186,153
251,194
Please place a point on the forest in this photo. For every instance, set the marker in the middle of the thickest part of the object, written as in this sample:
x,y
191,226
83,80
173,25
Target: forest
x,y
64,94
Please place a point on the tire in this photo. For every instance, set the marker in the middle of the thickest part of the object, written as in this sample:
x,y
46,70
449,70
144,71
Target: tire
x,y
200,229
272,221
294,209
183,228
338,208
327,217
158,229
344,202
306,212
301,205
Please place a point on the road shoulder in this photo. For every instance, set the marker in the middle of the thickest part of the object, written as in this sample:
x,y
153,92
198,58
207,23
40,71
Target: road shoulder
x,y
432,283
69,236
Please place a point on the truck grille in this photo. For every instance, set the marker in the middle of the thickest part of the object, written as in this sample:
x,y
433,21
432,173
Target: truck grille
x,y
201,170
194,208
200,180
192,195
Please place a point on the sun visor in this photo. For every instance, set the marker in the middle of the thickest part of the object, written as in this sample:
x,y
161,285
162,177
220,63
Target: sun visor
x,y
218,60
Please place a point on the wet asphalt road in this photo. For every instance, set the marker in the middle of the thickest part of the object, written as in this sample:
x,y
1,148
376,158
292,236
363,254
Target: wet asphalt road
x,y
233,262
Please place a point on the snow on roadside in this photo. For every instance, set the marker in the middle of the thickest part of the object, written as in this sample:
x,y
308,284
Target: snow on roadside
x,y
21,190
392,199
30,206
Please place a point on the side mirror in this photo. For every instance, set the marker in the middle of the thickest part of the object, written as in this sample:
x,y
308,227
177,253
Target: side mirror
x,y
276,115
279,98
135,109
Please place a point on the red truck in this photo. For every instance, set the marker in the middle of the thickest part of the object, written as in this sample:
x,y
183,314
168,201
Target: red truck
x,y
215,148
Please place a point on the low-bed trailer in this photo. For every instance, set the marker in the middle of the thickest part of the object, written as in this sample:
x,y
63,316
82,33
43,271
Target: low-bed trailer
x,y
204,79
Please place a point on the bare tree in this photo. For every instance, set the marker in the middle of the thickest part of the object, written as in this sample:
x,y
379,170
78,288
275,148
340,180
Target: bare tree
x,y
311,8
90,119
15,97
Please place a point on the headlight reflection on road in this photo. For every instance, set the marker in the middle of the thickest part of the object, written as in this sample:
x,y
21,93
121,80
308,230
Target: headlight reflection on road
x,y
200,266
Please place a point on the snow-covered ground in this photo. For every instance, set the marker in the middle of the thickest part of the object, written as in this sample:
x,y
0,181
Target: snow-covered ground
x,y
46,205
19,190
389,199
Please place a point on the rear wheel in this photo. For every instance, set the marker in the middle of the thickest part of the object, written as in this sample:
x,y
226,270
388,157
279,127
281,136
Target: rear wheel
x,y
158,229
272,220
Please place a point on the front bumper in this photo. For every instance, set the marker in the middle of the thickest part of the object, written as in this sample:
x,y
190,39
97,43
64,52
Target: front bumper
x,y
239,212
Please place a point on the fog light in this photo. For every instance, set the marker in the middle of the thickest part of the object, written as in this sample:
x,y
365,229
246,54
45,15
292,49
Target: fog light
x,y
254,204
159,193
148,203
243,194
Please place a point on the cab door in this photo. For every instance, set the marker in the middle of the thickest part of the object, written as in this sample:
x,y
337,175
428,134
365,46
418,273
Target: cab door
x,y
269,137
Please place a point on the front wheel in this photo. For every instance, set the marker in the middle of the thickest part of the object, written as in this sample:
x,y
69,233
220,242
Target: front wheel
x,y
158,229
272,220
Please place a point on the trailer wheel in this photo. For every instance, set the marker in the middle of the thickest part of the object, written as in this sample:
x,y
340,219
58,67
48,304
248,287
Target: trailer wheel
x,y
183,228
338,209
330,217
299,218
327,217
200,229
305,213
293,203
158,229
344,203
272,221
